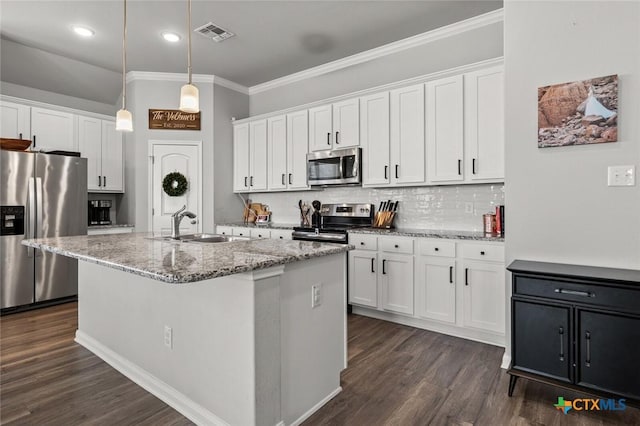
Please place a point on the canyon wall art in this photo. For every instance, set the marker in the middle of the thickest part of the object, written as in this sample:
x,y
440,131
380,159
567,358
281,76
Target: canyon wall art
x,y
578,113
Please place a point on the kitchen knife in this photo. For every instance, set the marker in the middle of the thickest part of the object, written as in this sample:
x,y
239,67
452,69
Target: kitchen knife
x,y
389,206
395,207
381,203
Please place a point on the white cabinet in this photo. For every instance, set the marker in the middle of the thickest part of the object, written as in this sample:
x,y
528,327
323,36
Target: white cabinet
x,y
277,148
396,281
102,145
259,233
241,157
297,149
15,120
363,278
110,231
334,126
346,125
224,230
436,288
484,296
281,234
320,128
374,137
484,125
445,125
52,130
250,156
407,143
287,140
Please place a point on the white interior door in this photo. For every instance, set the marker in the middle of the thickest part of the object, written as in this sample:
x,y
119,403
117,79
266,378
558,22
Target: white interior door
x,y
183,158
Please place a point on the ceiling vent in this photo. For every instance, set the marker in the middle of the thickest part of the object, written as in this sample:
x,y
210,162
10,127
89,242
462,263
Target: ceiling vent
x,y
214,32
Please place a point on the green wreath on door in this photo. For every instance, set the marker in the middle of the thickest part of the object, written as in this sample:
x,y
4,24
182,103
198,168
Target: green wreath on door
x,y
175,184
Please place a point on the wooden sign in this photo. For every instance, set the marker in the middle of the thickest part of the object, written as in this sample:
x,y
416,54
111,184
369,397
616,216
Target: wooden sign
x,y
173,119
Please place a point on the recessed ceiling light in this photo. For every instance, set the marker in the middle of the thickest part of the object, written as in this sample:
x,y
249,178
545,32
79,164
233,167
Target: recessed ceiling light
x,y
171,37
83,31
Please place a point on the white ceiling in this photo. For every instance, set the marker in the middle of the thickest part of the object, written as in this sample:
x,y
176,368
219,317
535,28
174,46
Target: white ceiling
x,y
273,38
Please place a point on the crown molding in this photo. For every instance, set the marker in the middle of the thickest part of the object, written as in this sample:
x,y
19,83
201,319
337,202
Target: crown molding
x,y
196,78
38,104
456,28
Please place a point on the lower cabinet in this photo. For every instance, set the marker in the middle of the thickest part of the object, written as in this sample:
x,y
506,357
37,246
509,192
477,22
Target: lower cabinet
x,y
363,278
255,232
436,289
576,326
484,296
396,279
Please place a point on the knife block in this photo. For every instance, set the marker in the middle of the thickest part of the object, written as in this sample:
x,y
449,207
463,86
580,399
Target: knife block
x,y
384,220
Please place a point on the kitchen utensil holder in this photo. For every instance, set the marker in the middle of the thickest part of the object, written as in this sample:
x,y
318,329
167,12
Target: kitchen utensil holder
x,y
384,220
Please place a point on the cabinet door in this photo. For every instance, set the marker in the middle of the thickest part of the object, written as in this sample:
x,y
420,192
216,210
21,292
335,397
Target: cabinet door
x,y
241,157
396,275
608,352
15,120
112,158
346,123
363,278
90,147
53,130
281,234
407,135
374,127
436,289
258,155
320,127
445,129
259,233
277,147
484,296
297,149
542,339
484,124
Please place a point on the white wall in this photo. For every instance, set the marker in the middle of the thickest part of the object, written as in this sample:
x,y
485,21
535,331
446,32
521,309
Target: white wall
x,y
466,48
558,205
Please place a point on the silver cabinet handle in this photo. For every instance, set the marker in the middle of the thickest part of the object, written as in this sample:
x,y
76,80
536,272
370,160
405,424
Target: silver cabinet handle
x,y
575,292
39,202
31,210
587,361
561,333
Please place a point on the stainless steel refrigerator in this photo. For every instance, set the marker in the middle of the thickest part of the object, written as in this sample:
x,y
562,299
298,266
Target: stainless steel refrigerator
x,y
41,195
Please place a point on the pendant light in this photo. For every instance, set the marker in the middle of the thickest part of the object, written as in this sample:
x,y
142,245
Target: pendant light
x,y
189,96
124,120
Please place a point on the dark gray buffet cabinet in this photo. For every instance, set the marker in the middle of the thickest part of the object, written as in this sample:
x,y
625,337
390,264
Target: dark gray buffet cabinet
x,y
576,327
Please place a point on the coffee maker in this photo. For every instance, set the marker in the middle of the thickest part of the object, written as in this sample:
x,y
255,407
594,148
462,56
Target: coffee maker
x,y
99,212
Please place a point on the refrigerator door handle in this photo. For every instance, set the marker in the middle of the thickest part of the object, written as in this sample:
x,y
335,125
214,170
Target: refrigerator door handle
x,y
38,233
31,213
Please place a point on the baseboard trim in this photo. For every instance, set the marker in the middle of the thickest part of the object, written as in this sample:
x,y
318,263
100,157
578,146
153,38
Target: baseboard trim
x,y
450,330
506,360
170,396
316,407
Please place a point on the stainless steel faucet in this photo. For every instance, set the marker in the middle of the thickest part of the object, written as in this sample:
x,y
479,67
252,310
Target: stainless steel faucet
x,y
176,218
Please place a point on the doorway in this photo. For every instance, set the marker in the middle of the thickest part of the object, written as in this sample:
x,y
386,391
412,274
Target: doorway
x,y
166,157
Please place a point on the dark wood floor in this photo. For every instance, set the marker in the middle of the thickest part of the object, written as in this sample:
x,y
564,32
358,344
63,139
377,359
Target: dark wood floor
x,y
397,375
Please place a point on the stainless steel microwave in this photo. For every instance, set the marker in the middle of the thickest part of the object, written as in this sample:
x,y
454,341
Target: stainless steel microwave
x,y
337,167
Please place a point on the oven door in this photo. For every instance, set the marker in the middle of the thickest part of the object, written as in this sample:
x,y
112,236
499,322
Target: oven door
x,y
339,167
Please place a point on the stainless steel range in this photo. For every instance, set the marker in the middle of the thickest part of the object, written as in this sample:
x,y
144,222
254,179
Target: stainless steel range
x,y
336,220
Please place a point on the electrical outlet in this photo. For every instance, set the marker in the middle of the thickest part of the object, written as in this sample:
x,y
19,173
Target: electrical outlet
x,y
468,208
168,337
621,175
316,293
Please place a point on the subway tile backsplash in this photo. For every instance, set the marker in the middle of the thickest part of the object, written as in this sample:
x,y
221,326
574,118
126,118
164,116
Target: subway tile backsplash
x,y
426,207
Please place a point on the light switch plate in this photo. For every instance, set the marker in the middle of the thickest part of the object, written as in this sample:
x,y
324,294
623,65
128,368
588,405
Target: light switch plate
x,y
621,176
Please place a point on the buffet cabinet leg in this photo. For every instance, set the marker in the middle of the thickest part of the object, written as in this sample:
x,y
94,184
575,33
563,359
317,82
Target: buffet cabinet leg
x,y
512,384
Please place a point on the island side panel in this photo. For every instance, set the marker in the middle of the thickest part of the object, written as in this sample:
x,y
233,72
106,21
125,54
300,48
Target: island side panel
x,y
211,365
313,339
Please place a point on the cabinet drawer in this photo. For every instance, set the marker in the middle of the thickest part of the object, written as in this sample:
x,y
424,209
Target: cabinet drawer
x,y
364,242
440,248
488,252
277,234
592,294
260,233
243,232
396,245
224,230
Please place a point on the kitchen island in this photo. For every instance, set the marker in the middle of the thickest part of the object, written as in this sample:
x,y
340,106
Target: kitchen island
x,y
240,333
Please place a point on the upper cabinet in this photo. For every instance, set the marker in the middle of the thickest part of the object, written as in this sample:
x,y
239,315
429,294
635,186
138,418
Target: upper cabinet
x,y
374,137
250,156
102,146
297,149
52,130
277,152
484,125
15,120
241,157
334,126
407,136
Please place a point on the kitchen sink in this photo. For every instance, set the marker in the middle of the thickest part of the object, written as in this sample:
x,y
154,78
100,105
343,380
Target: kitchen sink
x,y
203,238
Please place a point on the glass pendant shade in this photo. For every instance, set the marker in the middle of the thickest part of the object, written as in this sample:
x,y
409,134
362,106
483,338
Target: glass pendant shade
x,y
189,98
124,121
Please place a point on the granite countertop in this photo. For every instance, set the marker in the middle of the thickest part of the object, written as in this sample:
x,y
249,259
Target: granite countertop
x,y
181,262
269,225
430,233
117,225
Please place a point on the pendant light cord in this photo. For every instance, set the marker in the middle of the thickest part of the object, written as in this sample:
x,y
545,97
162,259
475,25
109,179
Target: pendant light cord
x,y
124,57
189,32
